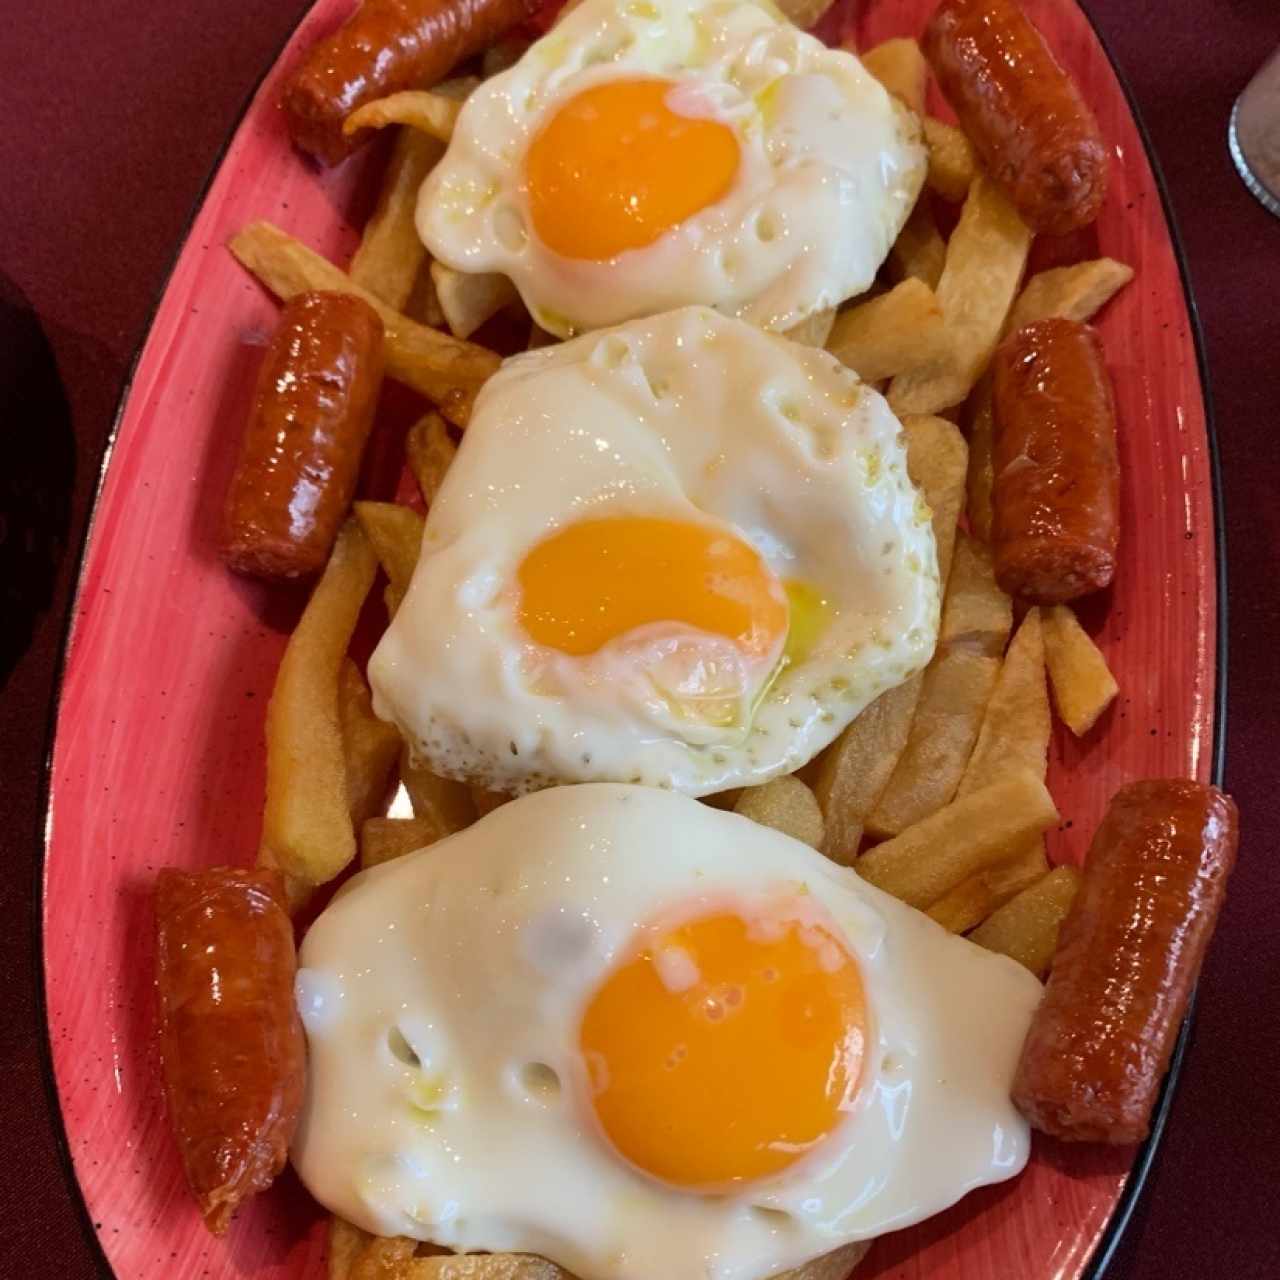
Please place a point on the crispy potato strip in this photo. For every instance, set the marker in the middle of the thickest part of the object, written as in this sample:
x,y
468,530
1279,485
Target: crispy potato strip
x,y
974,899
346,1244
441,367
936,462
395,533
979,830
371,746
1077,292
442,801
981,478
1083,686
985,259
431,451
1026,927
382,839
919,252
953,164
900,66
391,255
470,300
814,331
431,114
899,331
786,805
306,828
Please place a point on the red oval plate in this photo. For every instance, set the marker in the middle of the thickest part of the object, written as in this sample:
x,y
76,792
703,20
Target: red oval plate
x,y
159,753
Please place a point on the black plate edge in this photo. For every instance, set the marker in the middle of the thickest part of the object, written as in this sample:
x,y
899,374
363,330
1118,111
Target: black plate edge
x,y
1136,1182
45,801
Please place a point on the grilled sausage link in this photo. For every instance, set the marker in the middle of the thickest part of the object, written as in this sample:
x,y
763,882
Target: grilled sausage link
x,y
1127,958
300,455
1024,115
1056,495
231,1041
387,46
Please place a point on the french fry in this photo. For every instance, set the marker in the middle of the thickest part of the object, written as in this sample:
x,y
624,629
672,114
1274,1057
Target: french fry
x,y
804,13
395,533
346,1244
1015,729
974,899
919,252
431,114
1083,686
850,775
1077,292
937,463
423,305
487,801
481,1266
786,805
980,830
441,367
835,1265
431,450
985,259
1026,927
390,253
814,331
470,300
899,331
370,746
981,478
953,164
306,826
900,67
976,617
442,801
382,839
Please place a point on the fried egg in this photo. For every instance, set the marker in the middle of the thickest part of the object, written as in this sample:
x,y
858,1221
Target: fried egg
x,y
684,552
649,154
642,1037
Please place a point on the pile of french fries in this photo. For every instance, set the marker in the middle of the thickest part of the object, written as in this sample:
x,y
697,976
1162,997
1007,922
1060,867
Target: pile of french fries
x,y
934,794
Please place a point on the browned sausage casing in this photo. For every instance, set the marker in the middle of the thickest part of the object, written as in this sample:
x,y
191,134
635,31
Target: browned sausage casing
x,y
1127,958
387,46
1055,522
1025,116
300,456
230,1038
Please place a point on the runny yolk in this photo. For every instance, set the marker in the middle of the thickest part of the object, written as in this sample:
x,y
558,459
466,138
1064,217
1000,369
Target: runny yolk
x,y
721,1053
597,579
616,167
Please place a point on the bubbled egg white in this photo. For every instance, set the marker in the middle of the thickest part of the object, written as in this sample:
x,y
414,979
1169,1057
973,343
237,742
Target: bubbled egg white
x,y
447,1100
828,167
709,423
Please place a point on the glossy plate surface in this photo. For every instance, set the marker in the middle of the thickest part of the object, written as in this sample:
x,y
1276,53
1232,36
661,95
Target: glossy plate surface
x,y
159,754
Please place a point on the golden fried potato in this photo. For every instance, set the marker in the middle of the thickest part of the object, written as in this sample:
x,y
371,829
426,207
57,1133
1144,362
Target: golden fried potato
x,y
1026,927
441,800
974,899
981,478
953,163
919,252
443,368
346,1244
432,114
814,331
391,254
900,67
487,801
804,13
431,452
470,300
835,1265
306,827
1083,686
1015,730
786,805
395,533
1077,292
382,839
937,462
981,830
371,746
898,331
985,259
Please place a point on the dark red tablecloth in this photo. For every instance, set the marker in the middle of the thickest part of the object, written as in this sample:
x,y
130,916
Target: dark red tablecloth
x,y
112,114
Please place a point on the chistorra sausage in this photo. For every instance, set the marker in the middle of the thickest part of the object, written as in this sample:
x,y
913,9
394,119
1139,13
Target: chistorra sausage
x,y
300,455
387,46
231,1042
1056,498
1127,957
1024,114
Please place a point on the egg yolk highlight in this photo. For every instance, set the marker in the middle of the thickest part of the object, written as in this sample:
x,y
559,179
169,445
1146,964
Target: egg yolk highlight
x,y
617,167
723,1052
595,580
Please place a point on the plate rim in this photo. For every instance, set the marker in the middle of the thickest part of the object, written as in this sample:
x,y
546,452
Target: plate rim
x,y
1135,1183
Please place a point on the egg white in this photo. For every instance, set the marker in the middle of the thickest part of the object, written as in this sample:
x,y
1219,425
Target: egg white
x,y
689,415
830,168
441,995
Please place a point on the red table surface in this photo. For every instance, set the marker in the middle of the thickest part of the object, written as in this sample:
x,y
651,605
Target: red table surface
x,y
113,115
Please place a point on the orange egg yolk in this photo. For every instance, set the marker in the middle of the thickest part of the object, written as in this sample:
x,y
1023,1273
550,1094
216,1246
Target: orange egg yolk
x,y
722,1053
597,579
616,167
